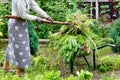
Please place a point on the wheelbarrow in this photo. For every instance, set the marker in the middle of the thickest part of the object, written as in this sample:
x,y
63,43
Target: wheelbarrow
x,y
71,64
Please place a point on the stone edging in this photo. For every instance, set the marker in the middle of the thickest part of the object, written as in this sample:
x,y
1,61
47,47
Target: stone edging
x,y
41,41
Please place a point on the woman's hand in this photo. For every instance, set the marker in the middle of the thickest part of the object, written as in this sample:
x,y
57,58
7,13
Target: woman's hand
x,y
50,19
39,20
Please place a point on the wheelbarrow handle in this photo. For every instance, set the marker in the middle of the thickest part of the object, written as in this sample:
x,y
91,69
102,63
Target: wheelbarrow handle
x,y
43,20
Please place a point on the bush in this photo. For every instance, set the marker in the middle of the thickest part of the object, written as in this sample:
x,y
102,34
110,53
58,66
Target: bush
x,y
51,75
114,33
34,40
109,62
83,75
52,8
4,10
108,77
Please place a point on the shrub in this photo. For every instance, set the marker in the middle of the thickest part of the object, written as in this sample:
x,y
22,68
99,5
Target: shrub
x,y
34,40
114,33
52,8
83,75
51,75
109,77
4,10
109,62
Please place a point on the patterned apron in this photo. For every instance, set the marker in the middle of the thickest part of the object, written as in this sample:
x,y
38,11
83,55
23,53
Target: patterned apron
x,y
18,50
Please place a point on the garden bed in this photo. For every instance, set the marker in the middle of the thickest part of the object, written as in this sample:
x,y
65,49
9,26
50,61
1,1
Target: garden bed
x,y
49,60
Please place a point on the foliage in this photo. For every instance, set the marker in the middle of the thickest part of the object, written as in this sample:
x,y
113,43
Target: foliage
x,y
78,34
109,62
2,53
34,40
41,70
41,64
48,75
84,7
52,8
118,5
83,75
51,75
114,33
4,10
1,23
100,30
104,8
108,77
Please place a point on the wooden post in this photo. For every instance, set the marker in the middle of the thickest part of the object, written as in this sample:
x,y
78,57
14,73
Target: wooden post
x,y
91,9
97,9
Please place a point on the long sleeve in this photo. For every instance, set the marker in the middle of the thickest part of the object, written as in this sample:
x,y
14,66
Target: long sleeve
x,y
37,9
22,11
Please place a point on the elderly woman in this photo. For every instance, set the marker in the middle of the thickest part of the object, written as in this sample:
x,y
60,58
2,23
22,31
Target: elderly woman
x,y
18,50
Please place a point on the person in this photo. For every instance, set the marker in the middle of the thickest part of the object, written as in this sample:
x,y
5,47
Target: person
x,y
18,50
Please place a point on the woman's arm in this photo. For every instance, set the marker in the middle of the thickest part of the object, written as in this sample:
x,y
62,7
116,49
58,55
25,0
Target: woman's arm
x,y
37,9
21,7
